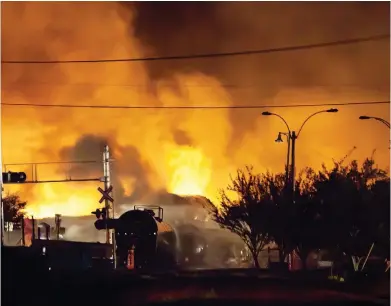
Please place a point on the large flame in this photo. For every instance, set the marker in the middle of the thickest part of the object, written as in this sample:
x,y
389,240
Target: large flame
x,y
59,201
189,152
191,171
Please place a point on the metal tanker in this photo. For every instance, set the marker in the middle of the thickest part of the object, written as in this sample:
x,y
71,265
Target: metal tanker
x,y
152,243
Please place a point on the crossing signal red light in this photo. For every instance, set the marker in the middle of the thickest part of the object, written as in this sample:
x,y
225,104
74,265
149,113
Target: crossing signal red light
x,y
14,177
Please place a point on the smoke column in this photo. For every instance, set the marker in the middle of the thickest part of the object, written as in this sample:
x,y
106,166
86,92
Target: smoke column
x,y
165,152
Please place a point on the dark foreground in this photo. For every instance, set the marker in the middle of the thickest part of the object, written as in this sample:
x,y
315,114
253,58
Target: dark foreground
x,y
26,283
246,287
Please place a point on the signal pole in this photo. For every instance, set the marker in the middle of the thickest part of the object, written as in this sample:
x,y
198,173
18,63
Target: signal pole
x,y
20,177
107,181
110,235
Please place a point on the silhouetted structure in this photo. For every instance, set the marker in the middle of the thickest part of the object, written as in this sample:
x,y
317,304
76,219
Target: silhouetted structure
x,y
137,230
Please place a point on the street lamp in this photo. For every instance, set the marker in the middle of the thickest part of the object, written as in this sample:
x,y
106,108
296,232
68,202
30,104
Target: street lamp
x,y
293,136
279,139
386,123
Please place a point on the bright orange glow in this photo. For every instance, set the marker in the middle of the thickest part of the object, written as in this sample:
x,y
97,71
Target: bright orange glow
x,y
188,152
190,170
56,200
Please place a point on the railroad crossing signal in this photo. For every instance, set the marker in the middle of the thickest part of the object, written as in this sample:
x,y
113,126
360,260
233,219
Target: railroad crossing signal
x,y
106,194
100,213
14,177
103,221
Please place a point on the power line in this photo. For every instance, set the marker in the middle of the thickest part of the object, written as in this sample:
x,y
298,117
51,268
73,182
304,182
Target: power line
x,y
146,86
195,106
209,55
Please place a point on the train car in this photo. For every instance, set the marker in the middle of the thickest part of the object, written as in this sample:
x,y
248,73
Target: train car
x,y
137,230
143,233
71,255
155,244
167,254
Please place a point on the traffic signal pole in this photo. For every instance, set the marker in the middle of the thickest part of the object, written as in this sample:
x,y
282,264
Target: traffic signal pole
x,y
20,177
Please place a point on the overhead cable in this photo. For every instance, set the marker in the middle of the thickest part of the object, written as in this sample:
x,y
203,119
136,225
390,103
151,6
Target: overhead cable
x,y
208,55
206,107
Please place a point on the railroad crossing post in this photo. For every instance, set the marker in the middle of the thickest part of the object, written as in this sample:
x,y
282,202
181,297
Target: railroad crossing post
x,y
110,234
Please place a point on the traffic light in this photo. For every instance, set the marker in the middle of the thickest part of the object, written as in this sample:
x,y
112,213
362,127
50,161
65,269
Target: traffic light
x,y
14,177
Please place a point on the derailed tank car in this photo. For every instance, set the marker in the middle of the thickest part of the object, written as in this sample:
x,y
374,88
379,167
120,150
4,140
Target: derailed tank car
x,y
136,229
144,232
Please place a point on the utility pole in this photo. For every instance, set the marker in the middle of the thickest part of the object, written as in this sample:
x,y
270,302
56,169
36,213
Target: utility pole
x,y
110,234
287,161
293,164
106,182
288,155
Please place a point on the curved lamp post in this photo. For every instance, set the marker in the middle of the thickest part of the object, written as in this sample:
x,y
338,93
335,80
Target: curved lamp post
x,y
292,136
386,123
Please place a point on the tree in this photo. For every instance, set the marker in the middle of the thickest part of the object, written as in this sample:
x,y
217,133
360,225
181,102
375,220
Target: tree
x,y
344,209
348,207
13,208
307,227
380,216
250,214
282,221
337,209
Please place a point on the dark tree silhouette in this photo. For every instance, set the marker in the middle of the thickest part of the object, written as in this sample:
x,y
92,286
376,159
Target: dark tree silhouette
x,y
349,208
306,229
246,209
344,209
282,220
13,208
380,216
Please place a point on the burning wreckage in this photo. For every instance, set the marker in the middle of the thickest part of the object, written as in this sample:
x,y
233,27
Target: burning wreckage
x,y
144,241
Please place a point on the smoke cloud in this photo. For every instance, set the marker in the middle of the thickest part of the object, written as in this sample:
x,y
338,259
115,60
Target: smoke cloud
x,y
160,153
129,164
